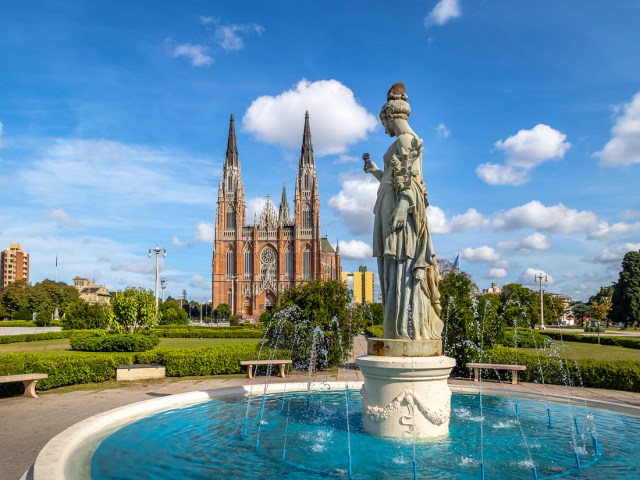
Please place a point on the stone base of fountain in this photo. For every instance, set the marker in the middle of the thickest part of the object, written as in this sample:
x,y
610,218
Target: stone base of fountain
x,y
405,397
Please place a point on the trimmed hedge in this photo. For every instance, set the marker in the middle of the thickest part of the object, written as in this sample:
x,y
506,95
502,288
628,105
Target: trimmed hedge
x,y
115,342
17,323
626,342
63,369
219,360
84,367
526,338
610,374
373,331
208,332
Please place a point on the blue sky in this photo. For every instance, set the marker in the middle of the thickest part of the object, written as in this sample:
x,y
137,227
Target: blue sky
x,y
114,118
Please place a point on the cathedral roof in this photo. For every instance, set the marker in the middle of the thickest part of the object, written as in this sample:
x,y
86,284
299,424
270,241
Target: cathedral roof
x,y
325,245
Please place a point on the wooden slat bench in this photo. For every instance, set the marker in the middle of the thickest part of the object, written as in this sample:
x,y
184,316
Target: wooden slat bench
x,y
477,367
250,363
28,379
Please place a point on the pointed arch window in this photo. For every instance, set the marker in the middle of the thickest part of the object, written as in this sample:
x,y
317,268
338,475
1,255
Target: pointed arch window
x,y
305,182
306,216
231,264
288,264
248,264
306,263
230,219
230,298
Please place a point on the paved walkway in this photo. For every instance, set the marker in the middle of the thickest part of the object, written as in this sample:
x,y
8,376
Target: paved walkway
x,y
27,330
28,424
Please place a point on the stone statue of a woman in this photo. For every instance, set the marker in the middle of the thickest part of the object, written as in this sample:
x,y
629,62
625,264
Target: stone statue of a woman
x,y
407,264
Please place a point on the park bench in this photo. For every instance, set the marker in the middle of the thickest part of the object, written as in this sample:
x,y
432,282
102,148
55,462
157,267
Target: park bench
x,y
28,379
250,363
477,367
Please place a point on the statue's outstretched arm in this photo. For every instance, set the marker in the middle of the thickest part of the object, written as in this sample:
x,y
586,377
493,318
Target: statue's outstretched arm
x,y
371,167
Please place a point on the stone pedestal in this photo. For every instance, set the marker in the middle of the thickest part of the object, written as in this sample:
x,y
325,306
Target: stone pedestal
x,y
405,397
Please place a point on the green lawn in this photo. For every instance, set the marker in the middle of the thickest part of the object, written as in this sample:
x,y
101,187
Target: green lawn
x,y
62,345
578,350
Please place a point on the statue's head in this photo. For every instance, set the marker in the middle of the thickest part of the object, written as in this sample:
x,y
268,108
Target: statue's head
x,y
396,106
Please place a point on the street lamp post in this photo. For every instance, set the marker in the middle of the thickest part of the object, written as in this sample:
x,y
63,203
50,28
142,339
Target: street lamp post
x,y
163,285
538,279
157,251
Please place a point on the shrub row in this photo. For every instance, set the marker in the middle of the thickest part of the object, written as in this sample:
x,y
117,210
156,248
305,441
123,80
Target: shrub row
x,y
208,332
63,369
219,360
198,327
116,342
373,331
610,374
84,367
604,340
523,338
17,323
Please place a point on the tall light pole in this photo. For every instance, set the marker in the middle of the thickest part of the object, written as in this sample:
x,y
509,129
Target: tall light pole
x,y
157,250
163,285
538,278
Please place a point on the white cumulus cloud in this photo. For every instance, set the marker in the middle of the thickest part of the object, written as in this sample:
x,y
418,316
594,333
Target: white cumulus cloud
x,y
624,147
535,241
438,222
205,232
254,209
556,218
606,230
354,203
615,254
484,254
498,273
524,151
355,249
337,119
198,281
197,54
443,12
528,277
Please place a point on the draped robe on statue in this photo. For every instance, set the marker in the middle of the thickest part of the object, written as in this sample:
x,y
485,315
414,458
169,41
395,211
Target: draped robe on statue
x,y
411,305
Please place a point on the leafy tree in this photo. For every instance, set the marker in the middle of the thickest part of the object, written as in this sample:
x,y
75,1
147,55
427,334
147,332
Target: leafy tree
x,y
520,305
625,300
314,321
133,310
600,309
371,313
223,311
580,311
600,300
172,314
16,297
43,295
472,325
82,315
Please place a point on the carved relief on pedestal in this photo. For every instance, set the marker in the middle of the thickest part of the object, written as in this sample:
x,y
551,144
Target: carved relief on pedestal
x,y
412,402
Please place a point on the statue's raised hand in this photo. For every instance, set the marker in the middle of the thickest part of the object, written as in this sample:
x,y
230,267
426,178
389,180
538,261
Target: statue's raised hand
x,y
369,166
399,217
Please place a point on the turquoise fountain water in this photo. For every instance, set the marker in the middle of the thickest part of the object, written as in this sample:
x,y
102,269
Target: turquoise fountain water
x,y
323,438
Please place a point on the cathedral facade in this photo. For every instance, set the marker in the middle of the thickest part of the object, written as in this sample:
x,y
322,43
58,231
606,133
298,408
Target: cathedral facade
x,y
253,262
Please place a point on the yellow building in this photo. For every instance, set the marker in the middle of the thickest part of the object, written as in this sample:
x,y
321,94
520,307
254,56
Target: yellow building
x,y
14,265
362,285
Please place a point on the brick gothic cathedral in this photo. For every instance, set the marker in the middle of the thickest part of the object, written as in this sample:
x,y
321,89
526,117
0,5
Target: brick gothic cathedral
x,y
252,262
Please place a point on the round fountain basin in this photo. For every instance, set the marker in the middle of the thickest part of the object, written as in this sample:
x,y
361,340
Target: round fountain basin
x,y
310,435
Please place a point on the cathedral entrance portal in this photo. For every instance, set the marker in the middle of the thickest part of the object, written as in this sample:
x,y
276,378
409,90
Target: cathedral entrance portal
x,y
269,300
